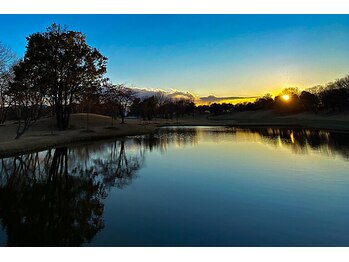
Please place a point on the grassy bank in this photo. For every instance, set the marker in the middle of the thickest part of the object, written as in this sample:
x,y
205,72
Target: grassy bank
x,y
96,127
43,136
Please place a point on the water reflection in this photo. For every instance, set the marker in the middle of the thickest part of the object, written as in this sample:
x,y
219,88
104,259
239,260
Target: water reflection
x,y
302,141
56,197
299,141
178,136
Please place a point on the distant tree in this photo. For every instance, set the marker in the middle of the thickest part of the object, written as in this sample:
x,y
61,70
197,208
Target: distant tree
x,y
162,104
86,105
135,108
7,60
291,91
315,90
290,106
335,99
161,98
190,107
63,67
264,102
121,96
203,108
309,101
148,108
335,95
216,108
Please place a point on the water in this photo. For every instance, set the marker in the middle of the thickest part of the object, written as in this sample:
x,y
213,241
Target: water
x,y
182,186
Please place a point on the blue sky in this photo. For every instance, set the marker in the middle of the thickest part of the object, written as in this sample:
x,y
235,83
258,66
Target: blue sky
x,y
221,55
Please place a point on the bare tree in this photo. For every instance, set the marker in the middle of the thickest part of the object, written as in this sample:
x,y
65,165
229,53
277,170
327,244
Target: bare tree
x,y
7,60
28,103
121,96
291,91
162,102
161,98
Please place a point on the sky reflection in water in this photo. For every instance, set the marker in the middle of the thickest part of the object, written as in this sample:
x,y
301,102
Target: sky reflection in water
x,y
182,186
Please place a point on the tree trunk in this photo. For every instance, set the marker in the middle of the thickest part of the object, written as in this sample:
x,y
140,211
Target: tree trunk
x,y
63,116
122,116
3,115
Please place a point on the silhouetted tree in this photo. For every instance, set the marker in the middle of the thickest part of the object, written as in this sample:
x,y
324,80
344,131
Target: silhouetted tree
x,y
335,96
63,67
88,103
135,108
163,102
119,96
216,109
264,102
7,60
148,108
27,97
309,101
292,105
291,91
203,108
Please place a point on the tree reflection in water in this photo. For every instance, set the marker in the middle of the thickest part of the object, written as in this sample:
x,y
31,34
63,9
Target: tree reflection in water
x,y
300,141
55,197
159,140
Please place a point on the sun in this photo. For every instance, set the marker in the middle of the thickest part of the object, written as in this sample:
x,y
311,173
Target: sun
x,y
286,97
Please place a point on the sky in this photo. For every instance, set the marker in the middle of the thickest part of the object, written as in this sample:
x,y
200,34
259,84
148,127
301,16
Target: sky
x,y
214,57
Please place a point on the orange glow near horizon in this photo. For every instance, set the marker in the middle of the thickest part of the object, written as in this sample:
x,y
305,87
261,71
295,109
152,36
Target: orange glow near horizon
x,y
286,97
274,93
232,101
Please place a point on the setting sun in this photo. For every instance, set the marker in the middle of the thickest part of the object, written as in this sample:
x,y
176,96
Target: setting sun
x,y
286,97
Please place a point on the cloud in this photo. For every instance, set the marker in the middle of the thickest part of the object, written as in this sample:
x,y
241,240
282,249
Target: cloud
x,y
179,94
213,99
143,93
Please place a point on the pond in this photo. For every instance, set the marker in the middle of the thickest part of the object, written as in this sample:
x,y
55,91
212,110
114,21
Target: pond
x,y
182,186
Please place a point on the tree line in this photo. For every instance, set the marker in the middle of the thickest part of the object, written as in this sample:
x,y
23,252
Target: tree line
x,y
330,98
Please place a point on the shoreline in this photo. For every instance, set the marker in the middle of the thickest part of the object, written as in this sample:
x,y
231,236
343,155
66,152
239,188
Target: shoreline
x,y
41,139
266,125
44,142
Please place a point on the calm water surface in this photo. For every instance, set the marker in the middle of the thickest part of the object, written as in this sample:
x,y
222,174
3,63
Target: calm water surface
x,y
182,186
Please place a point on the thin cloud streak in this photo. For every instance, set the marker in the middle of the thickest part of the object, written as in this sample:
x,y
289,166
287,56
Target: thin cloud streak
x,y
215,99
144,93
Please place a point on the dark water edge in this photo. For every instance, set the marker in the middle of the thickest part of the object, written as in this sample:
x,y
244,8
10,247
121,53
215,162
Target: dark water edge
x,y
181,186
